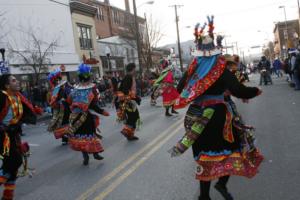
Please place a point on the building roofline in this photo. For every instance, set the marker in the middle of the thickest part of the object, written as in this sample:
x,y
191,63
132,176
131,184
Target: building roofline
x,y
83,8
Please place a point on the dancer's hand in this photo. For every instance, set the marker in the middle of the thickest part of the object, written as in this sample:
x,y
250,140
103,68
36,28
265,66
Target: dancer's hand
x,y
245,100
105,113
174,152
259,92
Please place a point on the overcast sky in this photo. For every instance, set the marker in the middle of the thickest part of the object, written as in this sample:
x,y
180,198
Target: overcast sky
x,y
249,23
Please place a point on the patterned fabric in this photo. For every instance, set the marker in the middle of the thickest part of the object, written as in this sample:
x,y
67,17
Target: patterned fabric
x,y
84,143
16,106
156,92
8,192
81,97
210,100
128,131
17,112
194,126
160,79
207,72
169,94
215,166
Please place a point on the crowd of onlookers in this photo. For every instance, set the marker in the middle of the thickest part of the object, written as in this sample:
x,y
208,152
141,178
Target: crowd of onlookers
x,y
107,85
290,66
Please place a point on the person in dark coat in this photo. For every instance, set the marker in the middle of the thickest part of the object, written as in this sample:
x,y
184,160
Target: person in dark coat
x,y
128,101
208,121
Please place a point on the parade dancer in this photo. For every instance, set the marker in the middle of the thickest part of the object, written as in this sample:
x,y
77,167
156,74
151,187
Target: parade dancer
x,y
84,117
155,90
208,121
169,92
15,109
128,101
60,108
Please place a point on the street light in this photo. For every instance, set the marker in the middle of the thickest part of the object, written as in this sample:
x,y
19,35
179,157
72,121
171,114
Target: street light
x,y
286,27
147,2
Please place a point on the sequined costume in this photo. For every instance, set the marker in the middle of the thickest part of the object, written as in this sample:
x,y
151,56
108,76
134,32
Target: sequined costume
x,y
128,101
167,85
60,108
14,110
217,146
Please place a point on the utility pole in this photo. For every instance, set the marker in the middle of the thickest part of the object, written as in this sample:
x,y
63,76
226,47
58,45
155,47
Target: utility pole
x,y
149,45
138,41
178,37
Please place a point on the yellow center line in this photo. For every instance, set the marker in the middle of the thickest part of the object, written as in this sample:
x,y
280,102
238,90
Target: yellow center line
x,y
135,166
124,164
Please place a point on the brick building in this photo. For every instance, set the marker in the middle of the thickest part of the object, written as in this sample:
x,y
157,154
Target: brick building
x,y
285,39
112,22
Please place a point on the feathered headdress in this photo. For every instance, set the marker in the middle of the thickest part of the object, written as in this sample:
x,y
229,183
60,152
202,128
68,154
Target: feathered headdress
x,y
205,45
54,75
84,70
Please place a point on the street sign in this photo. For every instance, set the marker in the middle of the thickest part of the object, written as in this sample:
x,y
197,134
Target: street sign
x,y
4,69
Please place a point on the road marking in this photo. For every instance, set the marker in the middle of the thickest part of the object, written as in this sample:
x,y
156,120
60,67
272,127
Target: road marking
x,y
34,145
128,161
135,166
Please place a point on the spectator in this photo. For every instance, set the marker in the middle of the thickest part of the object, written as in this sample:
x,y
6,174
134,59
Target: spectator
x,y
277,67
296,71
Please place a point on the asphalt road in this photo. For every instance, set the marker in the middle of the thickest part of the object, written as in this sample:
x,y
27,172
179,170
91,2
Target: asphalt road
x,y
143,170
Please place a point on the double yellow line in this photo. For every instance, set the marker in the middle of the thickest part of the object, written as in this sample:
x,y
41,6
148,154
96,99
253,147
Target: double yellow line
x,y
155,145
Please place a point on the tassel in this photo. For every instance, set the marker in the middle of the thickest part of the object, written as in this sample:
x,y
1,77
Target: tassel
x,y
6,145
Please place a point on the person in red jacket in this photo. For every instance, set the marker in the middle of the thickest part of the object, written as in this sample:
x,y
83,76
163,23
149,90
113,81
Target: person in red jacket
x,y
167,85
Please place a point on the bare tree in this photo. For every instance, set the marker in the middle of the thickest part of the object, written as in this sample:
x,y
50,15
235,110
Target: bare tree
x,y
150,36
269,51
34,53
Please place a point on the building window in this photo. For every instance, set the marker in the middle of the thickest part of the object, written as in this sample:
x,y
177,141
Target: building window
x,y
127,55
85,37
115,17
132,55
100,13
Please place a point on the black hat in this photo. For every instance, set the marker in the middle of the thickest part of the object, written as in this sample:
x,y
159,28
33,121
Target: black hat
x,y
130,67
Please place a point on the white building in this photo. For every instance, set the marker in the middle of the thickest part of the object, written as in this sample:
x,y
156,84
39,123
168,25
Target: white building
x,y
48,20
121,52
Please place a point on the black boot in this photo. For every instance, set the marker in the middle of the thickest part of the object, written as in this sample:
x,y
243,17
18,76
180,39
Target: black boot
x,y
167,113
132,138
64,140
223,191
85,158
174,111
97,156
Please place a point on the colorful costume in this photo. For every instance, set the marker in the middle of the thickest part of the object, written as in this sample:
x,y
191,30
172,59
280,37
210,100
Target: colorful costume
x,y
60,108
166,82
14,110
84,117
128,111
217,145
155,89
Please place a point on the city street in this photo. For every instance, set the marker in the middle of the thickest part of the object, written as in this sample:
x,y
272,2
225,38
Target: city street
x,y
143,170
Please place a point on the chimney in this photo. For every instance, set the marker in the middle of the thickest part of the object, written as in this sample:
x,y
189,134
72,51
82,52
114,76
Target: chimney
x,y
127,6
107,2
